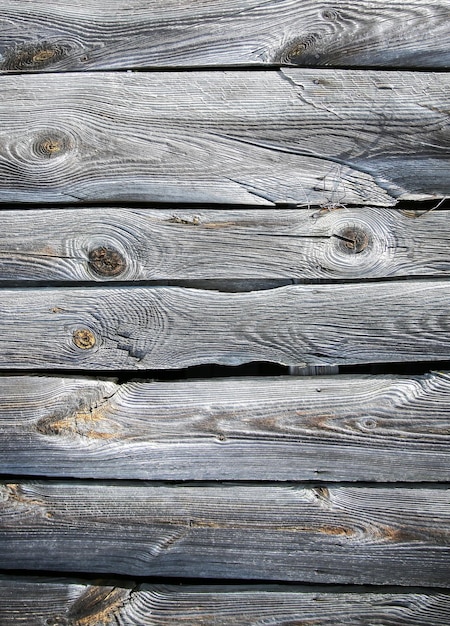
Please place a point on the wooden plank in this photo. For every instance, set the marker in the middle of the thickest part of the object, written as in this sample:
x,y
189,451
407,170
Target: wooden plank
x,y
109,328
55,35
350,428
146,244
37,601
331,534
292,136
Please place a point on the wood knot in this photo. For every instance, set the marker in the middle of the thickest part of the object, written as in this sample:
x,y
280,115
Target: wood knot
x,y
330,15
367,423
32,57
51,144
293,52
84,338
106,261
353,239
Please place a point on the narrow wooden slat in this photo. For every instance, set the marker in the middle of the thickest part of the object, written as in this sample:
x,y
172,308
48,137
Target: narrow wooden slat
x,y
168,327
293,532
288,136
86,34
145,244
348,428
37,601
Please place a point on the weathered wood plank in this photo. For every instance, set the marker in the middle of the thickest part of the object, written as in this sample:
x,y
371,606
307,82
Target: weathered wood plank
x,y
37,601
290,532
168,327
145,244
86,34
381,428
287,136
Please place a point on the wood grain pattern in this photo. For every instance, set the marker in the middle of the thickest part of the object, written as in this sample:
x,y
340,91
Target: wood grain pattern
x,y
37,601
86,34
168,327
143,244
291,136
331,534
381,428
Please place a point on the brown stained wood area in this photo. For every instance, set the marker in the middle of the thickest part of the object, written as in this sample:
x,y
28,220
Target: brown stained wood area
x,y
224,297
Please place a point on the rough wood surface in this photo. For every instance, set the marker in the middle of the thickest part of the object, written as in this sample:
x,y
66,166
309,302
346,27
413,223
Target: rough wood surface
x,y
144,244
292,136
331,534
63,602
381,428
86,34
111,328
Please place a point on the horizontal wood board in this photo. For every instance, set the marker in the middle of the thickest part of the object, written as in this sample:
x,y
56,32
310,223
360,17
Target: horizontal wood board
x,y
118,244
332,534
56,36
383,428
110,328
37,601
298,136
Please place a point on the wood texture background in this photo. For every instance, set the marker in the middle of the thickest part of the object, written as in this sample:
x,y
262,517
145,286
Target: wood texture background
x,y
55,36
266,174
392,428
314,534
61,602
167,327
295,136
125,244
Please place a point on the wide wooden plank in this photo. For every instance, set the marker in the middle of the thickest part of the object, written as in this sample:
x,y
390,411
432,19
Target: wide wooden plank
x,y
37,601
86,34
292,136
350,428
144,244
375,535
110,328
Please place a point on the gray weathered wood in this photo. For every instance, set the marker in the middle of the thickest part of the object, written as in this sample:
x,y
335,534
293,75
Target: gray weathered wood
x,y
348,428
168,327
288,136
86,34
37,601
175,244
331,534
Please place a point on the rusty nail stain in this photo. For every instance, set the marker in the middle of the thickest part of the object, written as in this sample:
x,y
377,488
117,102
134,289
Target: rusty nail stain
x,y
84,338
106,261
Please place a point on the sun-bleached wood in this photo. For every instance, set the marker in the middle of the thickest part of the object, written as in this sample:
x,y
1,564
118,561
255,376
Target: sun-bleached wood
x,y
111,328
176,244
333,534
37,601
55,35
352,428
297,136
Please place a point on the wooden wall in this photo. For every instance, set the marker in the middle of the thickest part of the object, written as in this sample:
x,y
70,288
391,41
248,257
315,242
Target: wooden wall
x,y
224,295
